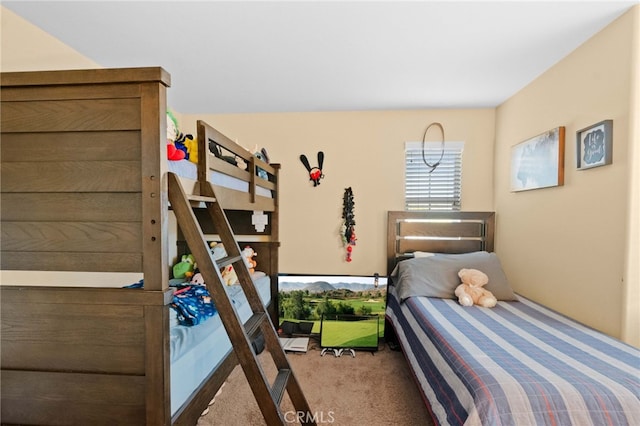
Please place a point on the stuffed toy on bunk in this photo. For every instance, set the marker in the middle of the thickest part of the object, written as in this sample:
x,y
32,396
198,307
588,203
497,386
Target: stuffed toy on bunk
x,y
197,279
188,145
184,268
173,153
248,254
470,292
229,275
217,250
179,145
239,161
261,154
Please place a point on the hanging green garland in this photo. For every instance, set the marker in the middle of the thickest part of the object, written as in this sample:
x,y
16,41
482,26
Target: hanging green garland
x,y
348,229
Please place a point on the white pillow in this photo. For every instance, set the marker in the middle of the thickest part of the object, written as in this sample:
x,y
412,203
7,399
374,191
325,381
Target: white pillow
x,y
423,254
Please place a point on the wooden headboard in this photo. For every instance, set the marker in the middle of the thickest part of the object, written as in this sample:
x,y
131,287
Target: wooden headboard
x,y
437,232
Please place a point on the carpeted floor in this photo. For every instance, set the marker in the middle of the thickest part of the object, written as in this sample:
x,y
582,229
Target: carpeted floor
x,y
374,389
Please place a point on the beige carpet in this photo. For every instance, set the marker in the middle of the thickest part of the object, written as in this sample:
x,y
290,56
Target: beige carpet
x,y
369,389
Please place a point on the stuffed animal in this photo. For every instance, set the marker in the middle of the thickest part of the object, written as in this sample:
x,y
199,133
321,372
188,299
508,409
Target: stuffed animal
x,y
188,145
470,292
179,145
248,254
239,161
197,279
261,154
229,275
192,149
173,153
184,268
217,250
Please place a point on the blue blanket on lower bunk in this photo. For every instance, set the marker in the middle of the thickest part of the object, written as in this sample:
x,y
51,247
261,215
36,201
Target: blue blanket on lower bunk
x,y
191,302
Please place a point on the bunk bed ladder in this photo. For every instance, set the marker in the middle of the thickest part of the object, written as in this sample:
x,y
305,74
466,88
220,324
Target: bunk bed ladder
x,y
267,396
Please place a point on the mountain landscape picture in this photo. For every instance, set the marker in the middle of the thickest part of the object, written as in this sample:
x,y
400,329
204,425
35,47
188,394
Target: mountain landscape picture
x,y
309,297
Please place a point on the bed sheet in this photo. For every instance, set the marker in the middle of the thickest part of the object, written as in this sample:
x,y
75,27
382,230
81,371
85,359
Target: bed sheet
x,y
516,364
197,351
189,169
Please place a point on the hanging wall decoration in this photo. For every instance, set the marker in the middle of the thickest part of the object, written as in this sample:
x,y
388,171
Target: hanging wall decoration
x,y
348,229
538,162
315,173
594,145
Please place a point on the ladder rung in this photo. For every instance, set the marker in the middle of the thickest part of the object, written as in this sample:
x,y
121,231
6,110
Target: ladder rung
x,y
201,198
228,261
253,323
279,385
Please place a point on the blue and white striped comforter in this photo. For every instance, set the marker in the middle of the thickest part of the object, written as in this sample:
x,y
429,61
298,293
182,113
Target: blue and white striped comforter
x,y
516,364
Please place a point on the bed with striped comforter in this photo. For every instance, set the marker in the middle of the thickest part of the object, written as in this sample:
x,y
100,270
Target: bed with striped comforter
x,y
518,363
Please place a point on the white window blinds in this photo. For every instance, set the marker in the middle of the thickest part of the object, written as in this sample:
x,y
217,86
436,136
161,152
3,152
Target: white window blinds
x,y
438,189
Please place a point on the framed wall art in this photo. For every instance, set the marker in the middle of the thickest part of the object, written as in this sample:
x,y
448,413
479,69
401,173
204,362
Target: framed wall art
x,y
594,145
538,162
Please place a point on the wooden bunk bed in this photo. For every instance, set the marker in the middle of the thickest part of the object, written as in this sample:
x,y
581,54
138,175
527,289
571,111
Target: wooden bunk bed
x,y
84,188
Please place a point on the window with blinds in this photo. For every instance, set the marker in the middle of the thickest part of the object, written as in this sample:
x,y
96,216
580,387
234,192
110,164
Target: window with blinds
x,y
437,189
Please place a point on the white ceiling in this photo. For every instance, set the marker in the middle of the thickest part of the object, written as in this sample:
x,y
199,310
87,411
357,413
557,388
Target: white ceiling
x,y
269,56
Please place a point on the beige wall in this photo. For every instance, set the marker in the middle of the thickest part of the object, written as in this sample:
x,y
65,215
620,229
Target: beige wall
x,y
566,246
631,307
26,47
364,151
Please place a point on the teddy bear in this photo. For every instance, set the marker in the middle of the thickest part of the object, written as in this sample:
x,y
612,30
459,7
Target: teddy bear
x,y
470,292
